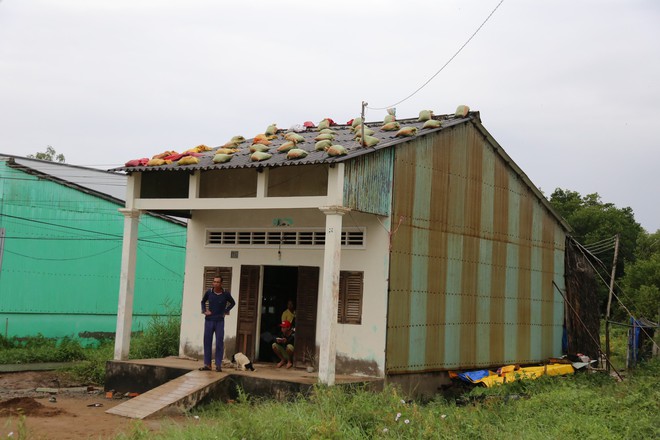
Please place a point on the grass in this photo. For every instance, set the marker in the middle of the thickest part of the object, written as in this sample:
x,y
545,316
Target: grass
x,y
586,406
159,339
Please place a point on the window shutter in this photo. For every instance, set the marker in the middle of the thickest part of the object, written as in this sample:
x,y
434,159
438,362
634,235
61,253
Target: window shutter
x,y
350,297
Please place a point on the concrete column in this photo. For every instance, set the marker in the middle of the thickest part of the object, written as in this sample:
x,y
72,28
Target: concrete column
x,y
330,292
126,283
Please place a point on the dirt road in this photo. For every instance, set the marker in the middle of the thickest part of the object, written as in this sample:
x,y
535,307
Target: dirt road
x,y
71,413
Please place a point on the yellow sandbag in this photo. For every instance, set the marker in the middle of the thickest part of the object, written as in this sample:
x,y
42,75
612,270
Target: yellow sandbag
x,y
327,131
462,111
367,132
271,130
164,154
259,156
239,139
226,150
261,139
323,145
389,118
337,150
296,153
391,126
406,132
324,136
231,144
432,123
258,147
357,121
155,162
189,160
324,124
370,141
425,115
357,128
199,149
294,137
222,158
286,147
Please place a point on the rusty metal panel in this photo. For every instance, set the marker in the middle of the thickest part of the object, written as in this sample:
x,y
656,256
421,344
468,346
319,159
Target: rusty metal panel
x,y
368,182
472,262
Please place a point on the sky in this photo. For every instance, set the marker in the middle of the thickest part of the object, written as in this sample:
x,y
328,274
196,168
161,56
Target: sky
x,y
569,89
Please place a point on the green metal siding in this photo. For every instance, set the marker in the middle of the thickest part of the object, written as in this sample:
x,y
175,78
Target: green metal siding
x,y
368,182
473,261
61,260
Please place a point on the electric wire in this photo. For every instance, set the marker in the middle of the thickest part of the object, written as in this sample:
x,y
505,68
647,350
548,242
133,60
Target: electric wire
x,y
445,65
117,236
617,297
60,258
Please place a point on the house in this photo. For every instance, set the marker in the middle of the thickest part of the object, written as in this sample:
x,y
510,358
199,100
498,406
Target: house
x,y
61,249
421,254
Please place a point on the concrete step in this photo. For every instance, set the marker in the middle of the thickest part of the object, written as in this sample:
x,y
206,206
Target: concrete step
x,y
182,393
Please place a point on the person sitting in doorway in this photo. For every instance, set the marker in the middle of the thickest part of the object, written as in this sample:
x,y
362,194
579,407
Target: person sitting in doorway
x,y
284,345
290,313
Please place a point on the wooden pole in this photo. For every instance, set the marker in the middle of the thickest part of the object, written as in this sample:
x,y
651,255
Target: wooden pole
x,y
609,301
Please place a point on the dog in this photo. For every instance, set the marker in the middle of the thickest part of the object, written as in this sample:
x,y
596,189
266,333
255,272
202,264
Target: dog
x,y
242,362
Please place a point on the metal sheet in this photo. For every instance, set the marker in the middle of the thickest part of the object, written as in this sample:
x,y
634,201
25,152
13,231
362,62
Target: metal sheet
x,y
473,260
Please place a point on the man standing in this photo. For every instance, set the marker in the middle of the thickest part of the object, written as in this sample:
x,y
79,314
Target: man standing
x,y
216,304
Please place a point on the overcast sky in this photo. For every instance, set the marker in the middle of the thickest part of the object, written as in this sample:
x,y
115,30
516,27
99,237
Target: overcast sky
x,y
570,89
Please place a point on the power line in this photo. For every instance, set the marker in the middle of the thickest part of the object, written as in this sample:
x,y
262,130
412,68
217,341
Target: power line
x,y
63,259
445,65
117,236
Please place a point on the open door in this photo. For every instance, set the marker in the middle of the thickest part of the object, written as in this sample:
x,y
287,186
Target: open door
x,y
307,300
248,303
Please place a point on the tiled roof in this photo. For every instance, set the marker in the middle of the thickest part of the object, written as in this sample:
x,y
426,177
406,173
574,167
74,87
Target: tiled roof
x,y
344,136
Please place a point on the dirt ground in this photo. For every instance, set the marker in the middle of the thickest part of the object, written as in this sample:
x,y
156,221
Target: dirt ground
x,y
74,412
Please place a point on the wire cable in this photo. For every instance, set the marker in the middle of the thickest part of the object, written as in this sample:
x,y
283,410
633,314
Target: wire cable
x,y
445,65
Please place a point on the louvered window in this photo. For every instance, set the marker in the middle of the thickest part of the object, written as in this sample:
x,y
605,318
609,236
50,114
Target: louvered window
x,y
313,237
350,297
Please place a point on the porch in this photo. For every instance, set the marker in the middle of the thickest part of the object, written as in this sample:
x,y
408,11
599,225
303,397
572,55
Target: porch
x,y
159,379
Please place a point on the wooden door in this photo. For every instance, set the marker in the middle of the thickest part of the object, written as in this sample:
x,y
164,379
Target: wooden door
x,y
306,302
248,308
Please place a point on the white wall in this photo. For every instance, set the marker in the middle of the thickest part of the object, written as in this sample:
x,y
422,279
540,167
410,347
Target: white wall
x,y
363,342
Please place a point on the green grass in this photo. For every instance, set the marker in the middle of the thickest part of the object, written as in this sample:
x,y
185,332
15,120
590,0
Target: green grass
x,y
159,339
39,349
585,406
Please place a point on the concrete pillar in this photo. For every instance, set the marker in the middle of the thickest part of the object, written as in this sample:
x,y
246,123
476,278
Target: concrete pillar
x,y
126,283
330,292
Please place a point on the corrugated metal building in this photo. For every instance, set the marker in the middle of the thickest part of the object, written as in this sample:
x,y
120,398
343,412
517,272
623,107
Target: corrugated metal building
x,y
60,252
446,257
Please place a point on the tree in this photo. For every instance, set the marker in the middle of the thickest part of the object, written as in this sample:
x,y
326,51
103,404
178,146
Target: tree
x,y
50,155
593,223
641,283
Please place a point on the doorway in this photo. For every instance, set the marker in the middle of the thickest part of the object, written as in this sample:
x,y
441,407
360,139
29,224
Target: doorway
x,y
280,284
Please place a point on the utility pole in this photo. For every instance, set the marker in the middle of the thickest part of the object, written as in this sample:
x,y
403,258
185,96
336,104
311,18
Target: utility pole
x,y
609,301
364,104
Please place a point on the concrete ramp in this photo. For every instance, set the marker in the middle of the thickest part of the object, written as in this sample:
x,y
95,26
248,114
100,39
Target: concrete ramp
x,y
182,393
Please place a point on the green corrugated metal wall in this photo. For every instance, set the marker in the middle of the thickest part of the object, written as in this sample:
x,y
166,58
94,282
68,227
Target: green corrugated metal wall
x,y
472,262
61,260
368,182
